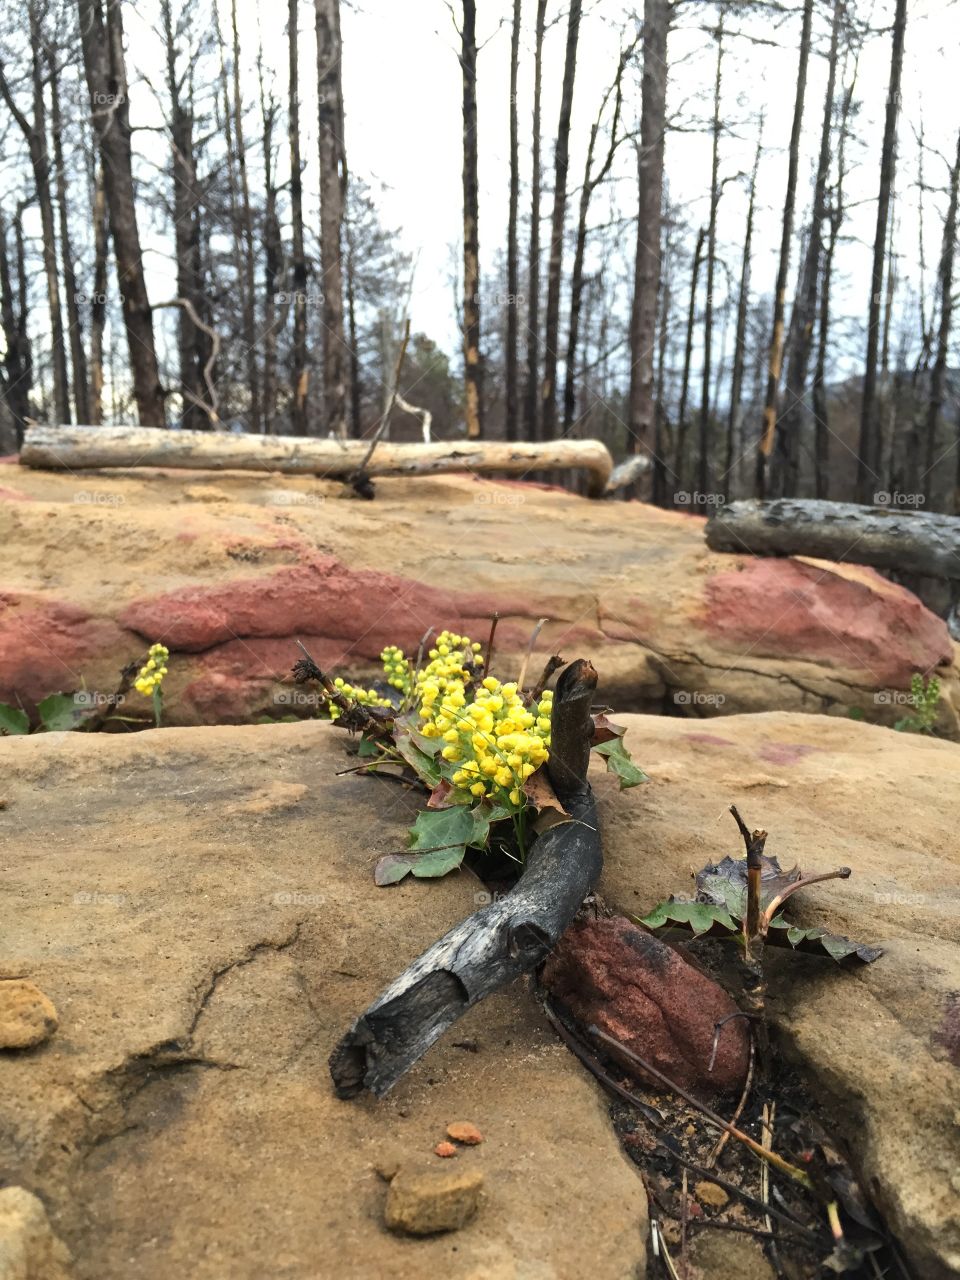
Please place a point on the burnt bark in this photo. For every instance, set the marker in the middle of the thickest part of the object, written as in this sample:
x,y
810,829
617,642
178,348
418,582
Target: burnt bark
x,y
735,417
333,190
531,400
472,361
784,475
548,392
703,470
647,263
101,31
888,538
299,373
775,358
868,451
679,461
938,375
512,423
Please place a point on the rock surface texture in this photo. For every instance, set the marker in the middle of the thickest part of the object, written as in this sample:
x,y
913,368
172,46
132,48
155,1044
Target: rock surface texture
x,y
199,903
881,1042
229,569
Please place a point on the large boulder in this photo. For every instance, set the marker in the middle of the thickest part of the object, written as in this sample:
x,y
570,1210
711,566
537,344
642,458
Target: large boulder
x,y
879,1043
229,569
199,904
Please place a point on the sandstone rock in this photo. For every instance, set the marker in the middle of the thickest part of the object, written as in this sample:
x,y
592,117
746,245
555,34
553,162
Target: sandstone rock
x,y
727,1254
465,1132
27,1016
873,1041
422,1202
640,991
182,1123
28,1248
228,585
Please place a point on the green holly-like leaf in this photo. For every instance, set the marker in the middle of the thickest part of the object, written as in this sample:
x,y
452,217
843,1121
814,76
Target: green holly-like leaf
x,y
619,762
367,748
699,917
815,941
13,720
725,883
438,842
435,862
58,711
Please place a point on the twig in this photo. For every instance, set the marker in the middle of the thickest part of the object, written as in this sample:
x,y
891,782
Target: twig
x,y
766,1139
735,1118
684,1216
526,658
552,664
360,480
841,873
488,660
590,1061
784,1166
354,716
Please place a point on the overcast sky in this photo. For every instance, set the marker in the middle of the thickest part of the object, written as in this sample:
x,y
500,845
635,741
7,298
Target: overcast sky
x,y
403,128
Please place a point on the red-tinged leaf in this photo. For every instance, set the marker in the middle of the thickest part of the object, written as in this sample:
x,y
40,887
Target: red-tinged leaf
x,y
604,730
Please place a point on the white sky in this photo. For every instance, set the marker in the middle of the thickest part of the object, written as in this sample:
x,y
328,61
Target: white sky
x,y
402,92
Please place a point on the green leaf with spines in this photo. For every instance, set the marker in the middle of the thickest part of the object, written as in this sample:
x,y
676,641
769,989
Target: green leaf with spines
x,y
619,762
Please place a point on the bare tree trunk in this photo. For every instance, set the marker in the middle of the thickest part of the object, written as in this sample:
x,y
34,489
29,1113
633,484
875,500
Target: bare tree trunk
x,y
703,471
98,305
101,31
78,359
784,476
679,461
646,284
512,425
868,459
186,235
15,374
819,396
249,257
35,135
356,425
548,393
659,479
299,374
531,402
472,362
735,418
938,376
780,292
590,183
333,190
272,256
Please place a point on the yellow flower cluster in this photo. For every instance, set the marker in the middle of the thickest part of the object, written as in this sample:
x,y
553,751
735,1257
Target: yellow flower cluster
x,y
366,697
150,676
397,668
497,741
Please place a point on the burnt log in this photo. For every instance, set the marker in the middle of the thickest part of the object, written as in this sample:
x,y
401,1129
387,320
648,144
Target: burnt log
x,y
501,941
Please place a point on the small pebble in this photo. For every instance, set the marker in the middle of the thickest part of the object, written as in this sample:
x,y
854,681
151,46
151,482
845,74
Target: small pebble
x,y
445,1149
465,1132
710,1194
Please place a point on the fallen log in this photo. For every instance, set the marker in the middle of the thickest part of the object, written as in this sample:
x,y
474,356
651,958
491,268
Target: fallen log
x,y
886,537
498,943
67,448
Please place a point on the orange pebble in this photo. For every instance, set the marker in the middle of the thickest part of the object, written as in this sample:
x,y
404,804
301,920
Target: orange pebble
x,y
465,1132
445,1149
